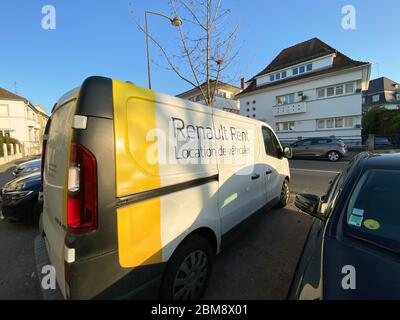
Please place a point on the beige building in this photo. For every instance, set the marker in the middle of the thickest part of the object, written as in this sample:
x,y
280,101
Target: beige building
x,y
21,120
224,98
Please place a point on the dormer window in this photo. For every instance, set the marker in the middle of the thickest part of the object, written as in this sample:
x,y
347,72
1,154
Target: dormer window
x,y
278,76
302,69
309,67
295,71
272,77
284,74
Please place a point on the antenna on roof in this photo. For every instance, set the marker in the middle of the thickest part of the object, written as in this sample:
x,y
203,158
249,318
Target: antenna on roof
x,y
14,84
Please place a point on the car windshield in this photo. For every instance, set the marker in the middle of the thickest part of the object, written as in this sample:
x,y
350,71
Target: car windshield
x,y
373,213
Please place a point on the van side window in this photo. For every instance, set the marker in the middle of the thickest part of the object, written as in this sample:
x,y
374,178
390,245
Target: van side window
x,y
270,143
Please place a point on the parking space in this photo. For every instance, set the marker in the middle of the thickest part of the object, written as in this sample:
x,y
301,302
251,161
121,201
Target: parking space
x,y
258,265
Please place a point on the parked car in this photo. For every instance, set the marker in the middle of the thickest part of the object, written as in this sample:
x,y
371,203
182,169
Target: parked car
x,y
27,167
330,148
19,198
383,143
118,222
352,250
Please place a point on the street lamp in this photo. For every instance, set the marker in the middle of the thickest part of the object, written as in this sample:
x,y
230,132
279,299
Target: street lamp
x,y
175,21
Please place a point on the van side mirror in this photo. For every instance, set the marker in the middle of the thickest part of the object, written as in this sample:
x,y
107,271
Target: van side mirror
x,y
309,204
287,152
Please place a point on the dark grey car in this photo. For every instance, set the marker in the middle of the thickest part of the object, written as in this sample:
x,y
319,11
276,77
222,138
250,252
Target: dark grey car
x,y
329,148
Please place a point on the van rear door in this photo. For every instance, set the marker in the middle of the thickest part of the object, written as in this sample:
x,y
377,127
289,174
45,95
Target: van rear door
x,y
55,178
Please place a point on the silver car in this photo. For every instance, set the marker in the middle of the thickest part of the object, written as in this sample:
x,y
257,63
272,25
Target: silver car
x,y
27,168
329,148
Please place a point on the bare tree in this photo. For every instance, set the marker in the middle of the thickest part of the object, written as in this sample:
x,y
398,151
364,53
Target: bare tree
x,y
206,44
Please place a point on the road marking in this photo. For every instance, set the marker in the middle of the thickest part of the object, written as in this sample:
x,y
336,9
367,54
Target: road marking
x,y
311,170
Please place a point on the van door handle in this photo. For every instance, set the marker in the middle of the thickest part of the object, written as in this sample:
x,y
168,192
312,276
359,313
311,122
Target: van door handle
x,y
268,172
255,176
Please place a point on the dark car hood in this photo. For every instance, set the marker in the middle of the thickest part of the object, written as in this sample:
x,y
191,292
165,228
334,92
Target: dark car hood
x,y
377,271
29,180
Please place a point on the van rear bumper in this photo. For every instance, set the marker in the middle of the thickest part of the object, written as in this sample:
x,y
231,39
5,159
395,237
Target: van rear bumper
x,y
41,260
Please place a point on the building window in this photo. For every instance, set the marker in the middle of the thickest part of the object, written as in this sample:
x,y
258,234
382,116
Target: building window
x,y
272,77
309,67
330,91
4,110
321,93
375,98
254,109
349,87
295,71
398,96
339,90
349,122
302,69
278,76
339,123
321,124
284,74
285,126
329,123
335,123
254,115
286,99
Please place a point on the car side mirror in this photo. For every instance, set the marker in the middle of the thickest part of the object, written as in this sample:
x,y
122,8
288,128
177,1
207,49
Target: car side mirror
x,y
309,204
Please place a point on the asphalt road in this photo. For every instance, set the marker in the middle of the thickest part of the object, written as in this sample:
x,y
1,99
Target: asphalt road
x,y
17,268
258,265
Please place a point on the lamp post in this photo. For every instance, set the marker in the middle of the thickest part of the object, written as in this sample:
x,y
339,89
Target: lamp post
x,y
175,21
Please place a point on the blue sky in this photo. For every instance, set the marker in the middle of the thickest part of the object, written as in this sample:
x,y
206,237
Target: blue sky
x,y
99,37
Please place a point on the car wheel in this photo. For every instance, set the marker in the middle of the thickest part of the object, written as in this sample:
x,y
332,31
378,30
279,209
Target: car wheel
x,y
285,195
188,270
334,156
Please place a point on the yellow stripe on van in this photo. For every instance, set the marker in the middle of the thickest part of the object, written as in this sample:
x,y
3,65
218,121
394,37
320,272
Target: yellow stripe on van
x,y
139,229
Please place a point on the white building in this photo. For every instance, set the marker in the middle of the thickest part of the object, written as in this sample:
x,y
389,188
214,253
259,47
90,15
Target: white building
x,y
224,98
21,120
309,90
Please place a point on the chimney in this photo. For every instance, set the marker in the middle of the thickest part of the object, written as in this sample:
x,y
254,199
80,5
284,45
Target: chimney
x,y
242,83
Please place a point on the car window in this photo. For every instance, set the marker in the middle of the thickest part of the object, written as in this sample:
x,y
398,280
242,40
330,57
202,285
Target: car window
x,y
373,211
321,141
304,143
270,143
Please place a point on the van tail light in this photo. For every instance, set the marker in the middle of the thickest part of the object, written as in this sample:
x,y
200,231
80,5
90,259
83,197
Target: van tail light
x,y
82,190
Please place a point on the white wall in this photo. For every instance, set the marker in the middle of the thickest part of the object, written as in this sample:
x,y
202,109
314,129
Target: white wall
x,y
345,105
18,122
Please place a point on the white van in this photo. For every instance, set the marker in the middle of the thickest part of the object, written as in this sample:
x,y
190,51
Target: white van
x,y
141,190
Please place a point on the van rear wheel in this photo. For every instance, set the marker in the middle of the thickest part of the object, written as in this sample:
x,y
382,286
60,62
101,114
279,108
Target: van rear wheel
x,y
188,271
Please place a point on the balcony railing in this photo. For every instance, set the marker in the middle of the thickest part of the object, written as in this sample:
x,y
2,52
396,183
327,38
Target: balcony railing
x,y
293,108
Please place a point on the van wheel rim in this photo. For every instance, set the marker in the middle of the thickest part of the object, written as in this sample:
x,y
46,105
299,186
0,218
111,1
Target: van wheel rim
x,y
333,156
284,192
191,276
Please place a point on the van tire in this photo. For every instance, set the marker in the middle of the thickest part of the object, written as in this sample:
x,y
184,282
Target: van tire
x,y
195,248
284,195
